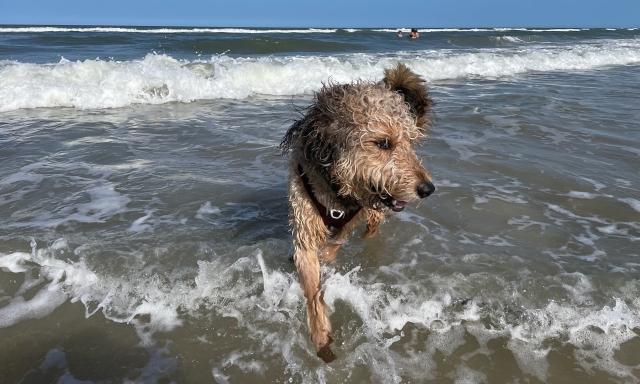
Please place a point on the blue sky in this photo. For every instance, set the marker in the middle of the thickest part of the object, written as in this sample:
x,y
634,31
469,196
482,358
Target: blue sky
x,y
327,13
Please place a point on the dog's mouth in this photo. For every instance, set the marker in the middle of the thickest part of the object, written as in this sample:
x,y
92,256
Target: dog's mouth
x,y
394,204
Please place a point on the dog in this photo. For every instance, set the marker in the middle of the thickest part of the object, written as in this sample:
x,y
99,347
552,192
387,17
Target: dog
x,y
352,159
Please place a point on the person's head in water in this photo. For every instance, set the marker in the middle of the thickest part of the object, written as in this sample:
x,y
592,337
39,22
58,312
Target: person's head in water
x,y
399,33
414,33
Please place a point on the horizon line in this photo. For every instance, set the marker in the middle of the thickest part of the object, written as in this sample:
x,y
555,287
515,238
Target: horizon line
x,y
307,27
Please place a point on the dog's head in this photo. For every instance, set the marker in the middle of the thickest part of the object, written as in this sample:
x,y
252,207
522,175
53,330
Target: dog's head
x,y
361,137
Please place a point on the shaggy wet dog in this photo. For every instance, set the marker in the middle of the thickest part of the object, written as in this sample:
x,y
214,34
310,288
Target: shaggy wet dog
x,y
352,160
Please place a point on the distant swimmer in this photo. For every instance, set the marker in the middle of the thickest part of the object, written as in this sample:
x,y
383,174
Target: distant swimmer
x,y
399,34
414,34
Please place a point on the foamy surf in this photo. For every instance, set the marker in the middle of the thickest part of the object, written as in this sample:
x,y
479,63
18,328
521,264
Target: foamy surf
x,y
498,29
260,298
159,78
48,29
160,30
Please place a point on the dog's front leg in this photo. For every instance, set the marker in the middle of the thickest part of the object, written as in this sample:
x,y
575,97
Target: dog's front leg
x,y
374,218
319,326
330,249
309,233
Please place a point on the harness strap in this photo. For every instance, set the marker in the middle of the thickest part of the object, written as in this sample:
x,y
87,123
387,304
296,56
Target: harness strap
x,y
334,219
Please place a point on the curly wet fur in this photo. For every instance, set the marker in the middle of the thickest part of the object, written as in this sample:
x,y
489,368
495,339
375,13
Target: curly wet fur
x,y
355,145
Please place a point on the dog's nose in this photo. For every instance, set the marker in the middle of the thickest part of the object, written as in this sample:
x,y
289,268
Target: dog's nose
x,y
425,189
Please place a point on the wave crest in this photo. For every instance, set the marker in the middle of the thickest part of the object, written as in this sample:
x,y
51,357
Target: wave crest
x,y
267,304
160,30
159,78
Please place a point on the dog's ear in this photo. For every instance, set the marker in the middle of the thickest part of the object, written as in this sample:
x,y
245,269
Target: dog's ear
x,y
401,79
309,134
315,131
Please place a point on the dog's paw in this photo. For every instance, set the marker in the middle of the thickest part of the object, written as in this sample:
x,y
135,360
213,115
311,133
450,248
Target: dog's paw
x,y
368,234
322,343
325,352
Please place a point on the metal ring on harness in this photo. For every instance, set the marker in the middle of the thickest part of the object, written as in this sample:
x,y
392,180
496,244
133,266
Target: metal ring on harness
x,y
336,214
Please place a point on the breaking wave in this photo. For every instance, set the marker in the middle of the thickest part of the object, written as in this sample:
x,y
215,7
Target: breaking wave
x,y
485,29
40,29
509,39
159,78
260,298
160,30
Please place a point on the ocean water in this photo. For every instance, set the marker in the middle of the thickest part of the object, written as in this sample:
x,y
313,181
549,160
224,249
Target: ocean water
x,y
144,216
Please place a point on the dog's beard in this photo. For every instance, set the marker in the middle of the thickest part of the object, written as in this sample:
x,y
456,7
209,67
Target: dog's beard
x,y
393,203
370,192
383,201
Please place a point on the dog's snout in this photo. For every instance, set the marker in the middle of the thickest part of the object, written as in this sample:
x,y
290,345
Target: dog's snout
x,y
425,189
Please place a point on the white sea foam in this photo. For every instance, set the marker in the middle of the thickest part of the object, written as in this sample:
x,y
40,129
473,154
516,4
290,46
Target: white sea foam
x,y
524,222
509,39
206,209
43,303
159,78
596,184
28,179
160,30
140,225
268,305
23,175
633,203
433,29
482,29
428,30
103,203
45,29
582,195
14,262
556,29
60,275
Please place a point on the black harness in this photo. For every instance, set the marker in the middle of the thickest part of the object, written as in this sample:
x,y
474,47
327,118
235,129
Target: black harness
x,y
334,219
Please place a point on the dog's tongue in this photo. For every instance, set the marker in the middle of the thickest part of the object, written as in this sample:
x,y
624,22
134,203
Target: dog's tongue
x,y
397,205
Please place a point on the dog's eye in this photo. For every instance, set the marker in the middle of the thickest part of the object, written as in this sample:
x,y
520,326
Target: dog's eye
x,y
384,143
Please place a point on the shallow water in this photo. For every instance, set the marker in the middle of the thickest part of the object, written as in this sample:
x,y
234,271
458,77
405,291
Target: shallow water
x,y
149,242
